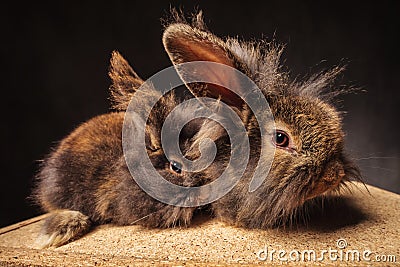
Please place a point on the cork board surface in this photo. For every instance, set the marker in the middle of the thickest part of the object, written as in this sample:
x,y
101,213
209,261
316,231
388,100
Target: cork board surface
x,y
359,228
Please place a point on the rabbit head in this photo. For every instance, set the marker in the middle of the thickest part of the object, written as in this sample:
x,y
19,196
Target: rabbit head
x,y
309,159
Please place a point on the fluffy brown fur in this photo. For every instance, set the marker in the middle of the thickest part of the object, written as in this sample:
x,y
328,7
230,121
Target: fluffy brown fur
x,y
85,180
315,165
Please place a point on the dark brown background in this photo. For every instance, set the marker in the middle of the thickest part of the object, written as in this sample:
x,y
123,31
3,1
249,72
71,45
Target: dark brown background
x,y
55,56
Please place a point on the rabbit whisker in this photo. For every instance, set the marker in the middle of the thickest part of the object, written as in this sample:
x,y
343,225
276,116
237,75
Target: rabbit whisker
x,y
144,217
369,158
381,168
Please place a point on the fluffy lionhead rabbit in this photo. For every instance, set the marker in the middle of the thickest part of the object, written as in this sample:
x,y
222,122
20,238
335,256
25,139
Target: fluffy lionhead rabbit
x,y
85,180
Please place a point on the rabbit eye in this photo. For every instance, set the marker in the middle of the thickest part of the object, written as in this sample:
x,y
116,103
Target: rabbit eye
x,y
281,139
176,167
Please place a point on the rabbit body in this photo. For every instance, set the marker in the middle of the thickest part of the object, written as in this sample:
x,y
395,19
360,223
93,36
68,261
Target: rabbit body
x,y
86,181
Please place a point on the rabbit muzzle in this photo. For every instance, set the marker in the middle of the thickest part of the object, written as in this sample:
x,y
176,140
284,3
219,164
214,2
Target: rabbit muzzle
x,y
329,180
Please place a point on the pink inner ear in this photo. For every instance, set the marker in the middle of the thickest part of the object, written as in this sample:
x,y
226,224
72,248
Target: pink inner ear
x,y
227,96
207,51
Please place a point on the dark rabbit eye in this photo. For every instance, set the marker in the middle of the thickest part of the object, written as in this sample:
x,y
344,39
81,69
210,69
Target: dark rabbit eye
x,y
176,167
281,139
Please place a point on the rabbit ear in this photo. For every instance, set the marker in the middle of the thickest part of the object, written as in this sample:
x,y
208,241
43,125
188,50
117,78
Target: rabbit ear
x,y
124,81
184,43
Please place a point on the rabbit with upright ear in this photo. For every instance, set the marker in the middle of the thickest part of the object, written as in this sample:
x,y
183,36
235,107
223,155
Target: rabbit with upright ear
x,y
85,181
309,159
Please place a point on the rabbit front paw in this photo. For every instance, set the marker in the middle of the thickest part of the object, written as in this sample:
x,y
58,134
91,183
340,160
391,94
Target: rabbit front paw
x,y
61,227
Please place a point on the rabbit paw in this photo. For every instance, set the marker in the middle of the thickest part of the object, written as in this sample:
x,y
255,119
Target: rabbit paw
x,y
61,227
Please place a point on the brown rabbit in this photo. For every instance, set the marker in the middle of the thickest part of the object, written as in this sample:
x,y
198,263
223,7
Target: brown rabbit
x,y
85,181
309,160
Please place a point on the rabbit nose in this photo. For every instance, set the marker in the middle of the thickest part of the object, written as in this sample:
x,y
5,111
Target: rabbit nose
x,y
329,180
333,175
341,173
